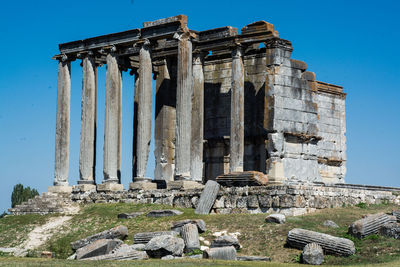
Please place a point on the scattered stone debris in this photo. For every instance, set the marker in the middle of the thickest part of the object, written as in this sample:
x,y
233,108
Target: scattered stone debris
x,y
144,238
208,197
97,248
164,245
396,213
252,258
329,223
370,224
312,254
276,218
391,229
201,225
126,254
129,215
220,253
163,213
120,232
190,236
226,241
299,238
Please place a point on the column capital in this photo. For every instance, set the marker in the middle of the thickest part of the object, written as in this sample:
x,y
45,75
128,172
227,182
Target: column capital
x,y
237,51
198,56
278,43
185,35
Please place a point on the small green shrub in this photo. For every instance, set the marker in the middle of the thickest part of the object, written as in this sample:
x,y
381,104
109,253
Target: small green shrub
x,y
362,205
195,252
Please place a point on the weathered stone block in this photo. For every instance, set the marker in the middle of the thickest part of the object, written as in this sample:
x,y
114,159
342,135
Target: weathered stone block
x,y
97,248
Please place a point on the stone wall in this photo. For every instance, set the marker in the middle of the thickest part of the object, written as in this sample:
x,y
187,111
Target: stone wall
x,y
332,129
288,199
294,125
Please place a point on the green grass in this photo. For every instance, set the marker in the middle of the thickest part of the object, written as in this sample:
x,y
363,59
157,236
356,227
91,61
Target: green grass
x,y
257,237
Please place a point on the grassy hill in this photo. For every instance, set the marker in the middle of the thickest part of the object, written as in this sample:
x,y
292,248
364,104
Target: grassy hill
x,y
256,236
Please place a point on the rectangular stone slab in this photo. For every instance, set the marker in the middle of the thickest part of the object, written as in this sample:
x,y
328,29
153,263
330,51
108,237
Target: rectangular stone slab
x,y
208,197
98,248
117,232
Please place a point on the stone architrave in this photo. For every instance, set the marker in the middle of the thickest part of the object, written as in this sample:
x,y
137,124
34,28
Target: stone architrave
x,y
145,103
113,117
63,124
196,156
184,92
236,146
87,159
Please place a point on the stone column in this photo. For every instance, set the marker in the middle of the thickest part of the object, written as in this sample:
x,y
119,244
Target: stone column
x,y
184,92
236,146
145,110
165,120
196,156
62,127
112,126
87,160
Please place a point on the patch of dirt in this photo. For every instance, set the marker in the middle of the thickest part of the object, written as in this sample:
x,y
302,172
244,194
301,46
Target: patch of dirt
x,y
40,234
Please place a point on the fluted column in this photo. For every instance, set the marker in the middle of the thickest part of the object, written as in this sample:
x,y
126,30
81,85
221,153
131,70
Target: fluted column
x,y
62,124
196,156
236,146
145,104
184,93
165,120
87,160
113,116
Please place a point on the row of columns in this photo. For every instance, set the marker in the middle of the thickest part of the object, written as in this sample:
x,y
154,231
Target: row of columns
x,y
189,116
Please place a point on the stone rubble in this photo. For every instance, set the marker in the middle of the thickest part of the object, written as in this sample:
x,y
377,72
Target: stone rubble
x,y
329,223
226,241
144,238
208,197
276,218
370,224
120,232
312,254
390,229
220,253
201,225
163,213
299,238
97,248
163,245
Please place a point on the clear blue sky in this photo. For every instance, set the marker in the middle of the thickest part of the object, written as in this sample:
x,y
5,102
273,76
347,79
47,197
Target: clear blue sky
x,y
351,43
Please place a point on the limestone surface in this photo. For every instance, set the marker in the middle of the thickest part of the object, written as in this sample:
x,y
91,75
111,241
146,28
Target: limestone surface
x,y
163,245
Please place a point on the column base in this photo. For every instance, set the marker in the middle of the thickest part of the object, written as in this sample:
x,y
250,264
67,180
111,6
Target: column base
x,y
142,184
84,187
184,184
63,189
90,182
110,187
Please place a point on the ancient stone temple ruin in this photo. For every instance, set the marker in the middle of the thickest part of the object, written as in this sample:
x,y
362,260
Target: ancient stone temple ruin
x,y
229,107
225,103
